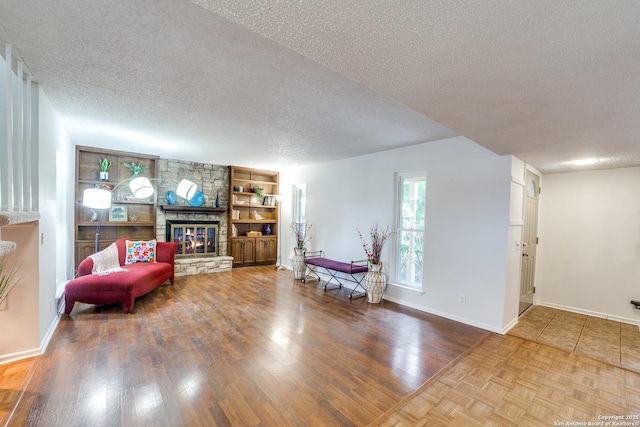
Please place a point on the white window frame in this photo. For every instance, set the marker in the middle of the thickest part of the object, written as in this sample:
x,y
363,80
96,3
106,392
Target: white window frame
x,y
299,212
401,177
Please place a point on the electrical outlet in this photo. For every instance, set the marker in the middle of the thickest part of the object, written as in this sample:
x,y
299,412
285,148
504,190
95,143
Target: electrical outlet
x,y
462,300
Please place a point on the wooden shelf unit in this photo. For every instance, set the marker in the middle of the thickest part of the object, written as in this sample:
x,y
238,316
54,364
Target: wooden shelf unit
x,y
87,176
248,214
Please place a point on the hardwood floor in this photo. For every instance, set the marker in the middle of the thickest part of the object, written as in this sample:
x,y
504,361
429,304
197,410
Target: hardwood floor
x,y
248,347
511,381
255,347
14,378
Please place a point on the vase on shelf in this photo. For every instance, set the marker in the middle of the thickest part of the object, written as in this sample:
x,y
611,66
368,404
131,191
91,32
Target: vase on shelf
x,y
297,262
104,176
375,282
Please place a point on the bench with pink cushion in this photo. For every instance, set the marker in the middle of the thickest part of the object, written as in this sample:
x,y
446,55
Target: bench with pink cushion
x,y
353,272
123,286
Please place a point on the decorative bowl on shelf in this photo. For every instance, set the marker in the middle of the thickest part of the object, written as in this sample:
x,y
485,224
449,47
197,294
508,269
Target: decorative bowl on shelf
x,y
197,199
172,197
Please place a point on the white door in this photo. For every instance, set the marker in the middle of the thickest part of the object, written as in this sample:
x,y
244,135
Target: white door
x,y
529,240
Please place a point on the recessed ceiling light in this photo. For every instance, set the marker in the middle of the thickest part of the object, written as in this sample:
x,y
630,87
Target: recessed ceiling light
x,y
584,162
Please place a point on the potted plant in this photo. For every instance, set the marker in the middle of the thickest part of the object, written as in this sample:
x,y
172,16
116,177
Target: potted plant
x,y
104,169
301,231
136,168
375,280
8,278
259,193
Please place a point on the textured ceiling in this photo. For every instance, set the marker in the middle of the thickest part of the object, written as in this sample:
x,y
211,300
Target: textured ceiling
x,y
289,82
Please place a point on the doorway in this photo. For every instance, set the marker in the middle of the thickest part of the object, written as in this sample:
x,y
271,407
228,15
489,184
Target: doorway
x,y
529,240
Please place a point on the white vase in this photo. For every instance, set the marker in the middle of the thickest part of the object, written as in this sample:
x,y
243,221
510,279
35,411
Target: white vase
x,y
297,262
375,282
104,176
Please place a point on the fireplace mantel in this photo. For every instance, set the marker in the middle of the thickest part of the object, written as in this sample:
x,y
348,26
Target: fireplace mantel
x,y
194,209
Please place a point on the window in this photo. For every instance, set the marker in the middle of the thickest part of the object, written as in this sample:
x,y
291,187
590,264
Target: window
x,y
410,227
299,213
300,203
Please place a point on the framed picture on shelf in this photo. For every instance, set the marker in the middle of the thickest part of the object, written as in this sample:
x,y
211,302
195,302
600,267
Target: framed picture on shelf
x,y
118,213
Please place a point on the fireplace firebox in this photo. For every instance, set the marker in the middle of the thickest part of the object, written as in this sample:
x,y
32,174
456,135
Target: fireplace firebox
x,y
194,238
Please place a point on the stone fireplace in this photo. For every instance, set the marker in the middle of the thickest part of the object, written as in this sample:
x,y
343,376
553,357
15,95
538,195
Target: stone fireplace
x,y
201,232
194,238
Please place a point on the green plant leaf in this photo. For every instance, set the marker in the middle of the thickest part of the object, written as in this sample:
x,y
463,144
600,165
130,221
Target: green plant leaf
x,y
8,277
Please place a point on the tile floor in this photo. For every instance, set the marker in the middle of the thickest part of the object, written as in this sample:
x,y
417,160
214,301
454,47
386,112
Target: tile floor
x,y
612,342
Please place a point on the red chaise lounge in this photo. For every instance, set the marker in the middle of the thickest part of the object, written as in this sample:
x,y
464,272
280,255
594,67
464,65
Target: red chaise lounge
x,y
123,286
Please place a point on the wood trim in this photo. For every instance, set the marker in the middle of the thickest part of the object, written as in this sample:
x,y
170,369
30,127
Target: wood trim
x,y
193,209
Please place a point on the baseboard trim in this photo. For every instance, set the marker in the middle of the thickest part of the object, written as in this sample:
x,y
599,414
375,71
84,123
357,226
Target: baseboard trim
x,y
577,310
510,325
45,341
13,357
446,315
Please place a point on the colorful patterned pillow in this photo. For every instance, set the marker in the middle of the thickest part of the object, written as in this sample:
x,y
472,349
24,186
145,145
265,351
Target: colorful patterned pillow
x,y
140,251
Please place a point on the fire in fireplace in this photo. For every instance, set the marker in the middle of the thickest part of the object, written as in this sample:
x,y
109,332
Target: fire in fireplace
x,y
194,238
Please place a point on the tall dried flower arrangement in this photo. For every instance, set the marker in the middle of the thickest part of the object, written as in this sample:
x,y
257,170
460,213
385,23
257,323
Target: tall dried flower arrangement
x,y
301,231
378,239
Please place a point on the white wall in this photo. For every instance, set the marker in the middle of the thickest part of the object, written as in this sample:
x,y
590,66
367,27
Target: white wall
x,y
468,206
589,252
55,231
65,197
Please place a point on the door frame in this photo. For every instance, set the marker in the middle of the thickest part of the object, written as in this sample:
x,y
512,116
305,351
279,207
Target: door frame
x,y
529,168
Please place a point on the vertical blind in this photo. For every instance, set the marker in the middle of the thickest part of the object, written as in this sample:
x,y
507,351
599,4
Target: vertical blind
x,y
18,148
